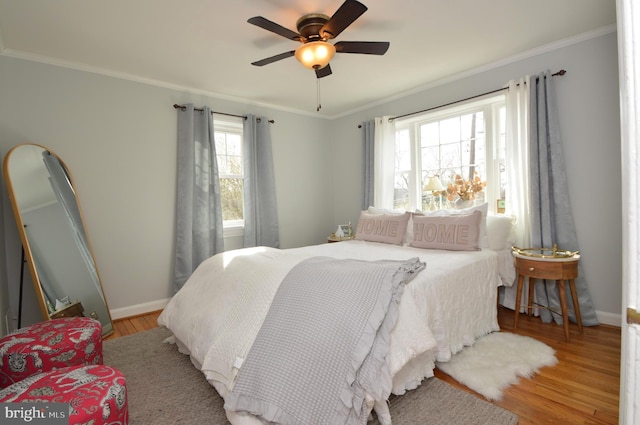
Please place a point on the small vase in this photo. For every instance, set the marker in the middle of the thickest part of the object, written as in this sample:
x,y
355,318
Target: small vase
x,y
463,203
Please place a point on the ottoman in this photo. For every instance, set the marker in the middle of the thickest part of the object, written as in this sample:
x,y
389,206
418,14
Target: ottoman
x,y
49,345
96,394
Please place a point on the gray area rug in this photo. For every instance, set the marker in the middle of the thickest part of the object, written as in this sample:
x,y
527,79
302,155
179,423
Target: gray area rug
x,y
165,388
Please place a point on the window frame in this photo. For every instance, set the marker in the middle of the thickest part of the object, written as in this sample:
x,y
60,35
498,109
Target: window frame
x,y
490,106
235,126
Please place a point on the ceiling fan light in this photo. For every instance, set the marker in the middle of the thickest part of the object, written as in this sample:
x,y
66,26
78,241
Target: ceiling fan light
x,y
315,54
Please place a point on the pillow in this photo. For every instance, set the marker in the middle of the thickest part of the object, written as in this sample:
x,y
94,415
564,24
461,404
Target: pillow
x,y
385,228
375,210
483,208
500,232
455,232
409,235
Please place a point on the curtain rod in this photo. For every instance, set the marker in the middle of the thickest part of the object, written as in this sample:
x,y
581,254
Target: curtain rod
x,y
182,107
560,73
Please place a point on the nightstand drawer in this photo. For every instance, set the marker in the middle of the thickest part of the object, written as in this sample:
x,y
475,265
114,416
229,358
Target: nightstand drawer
x,y
555,270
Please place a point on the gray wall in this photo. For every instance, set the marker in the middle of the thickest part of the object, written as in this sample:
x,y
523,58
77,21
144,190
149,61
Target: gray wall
x,y
118,139
588,103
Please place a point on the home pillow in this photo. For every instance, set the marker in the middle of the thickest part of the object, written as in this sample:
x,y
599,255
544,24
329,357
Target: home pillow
x,y
385,228
409,235
452,232
483,208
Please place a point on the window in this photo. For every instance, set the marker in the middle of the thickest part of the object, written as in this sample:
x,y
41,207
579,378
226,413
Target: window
x,y
228,137
464,143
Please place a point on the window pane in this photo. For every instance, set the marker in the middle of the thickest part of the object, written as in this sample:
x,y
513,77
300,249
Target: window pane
x,y
234,165
502,119
221,150
228,140
468,153
401,191
234,145
451,156
450,130
450,146
231,198
403,150
430,134
466,126
431,160
221,143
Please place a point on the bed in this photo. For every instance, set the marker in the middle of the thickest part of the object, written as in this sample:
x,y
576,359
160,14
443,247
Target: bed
x,y
219,314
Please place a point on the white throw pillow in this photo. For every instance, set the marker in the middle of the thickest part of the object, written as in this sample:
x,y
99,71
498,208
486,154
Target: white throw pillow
x,y
500,232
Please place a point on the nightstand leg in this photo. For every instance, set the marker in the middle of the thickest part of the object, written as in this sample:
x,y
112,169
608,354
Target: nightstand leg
x,y
518,299
576,303
563,305
532,285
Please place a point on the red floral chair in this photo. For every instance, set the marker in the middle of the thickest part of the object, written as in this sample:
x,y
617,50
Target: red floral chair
x,y
61,361
49,345
96,394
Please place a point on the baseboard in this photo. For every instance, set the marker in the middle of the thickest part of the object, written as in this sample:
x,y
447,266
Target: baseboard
x,y
609,318
138,309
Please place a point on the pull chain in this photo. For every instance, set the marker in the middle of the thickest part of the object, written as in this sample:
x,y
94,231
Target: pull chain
x,y
318,94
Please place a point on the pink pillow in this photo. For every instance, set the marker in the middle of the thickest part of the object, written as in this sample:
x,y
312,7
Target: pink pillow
x,y
385,228
483,208
453,232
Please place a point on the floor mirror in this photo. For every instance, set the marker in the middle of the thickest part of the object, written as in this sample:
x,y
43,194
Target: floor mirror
x,y
56,247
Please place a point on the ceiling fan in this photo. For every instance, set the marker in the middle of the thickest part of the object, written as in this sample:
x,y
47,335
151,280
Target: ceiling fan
x,y
313,32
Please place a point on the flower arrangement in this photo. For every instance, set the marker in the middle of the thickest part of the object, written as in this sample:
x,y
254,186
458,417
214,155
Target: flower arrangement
x,y
465,189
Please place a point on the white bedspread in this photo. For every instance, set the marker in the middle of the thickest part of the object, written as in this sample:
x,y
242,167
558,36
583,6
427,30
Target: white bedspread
x,y
456,294
217,314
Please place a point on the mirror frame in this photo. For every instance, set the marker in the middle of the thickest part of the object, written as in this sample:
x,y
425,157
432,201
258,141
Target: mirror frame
x,y
28,254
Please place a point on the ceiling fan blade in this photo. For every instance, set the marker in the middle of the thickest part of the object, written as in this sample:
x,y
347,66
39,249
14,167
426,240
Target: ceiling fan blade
x,y
268,25
344,16
267,61
363,47
323,72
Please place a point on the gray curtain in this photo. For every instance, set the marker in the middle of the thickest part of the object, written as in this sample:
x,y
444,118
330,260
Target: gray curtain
x,y
199,232
551,218
368,158
260,206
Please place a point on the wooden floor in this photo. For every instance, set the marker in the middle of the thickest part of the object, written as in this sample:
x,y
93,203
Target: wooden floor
x,y
583,388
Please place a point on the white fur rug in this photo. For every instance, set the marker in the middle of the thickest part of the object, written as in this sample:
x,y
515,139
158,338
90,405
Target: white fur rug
x,y
496,361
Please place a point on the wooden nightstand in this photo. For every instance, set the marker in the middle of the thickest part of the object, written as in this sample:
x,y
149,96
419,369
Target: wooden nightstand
x,y
72,310
333,238
558,269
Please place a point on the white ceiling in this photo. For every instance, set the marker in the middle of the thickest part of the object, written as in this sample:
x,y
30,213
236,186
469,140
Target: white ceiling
x,y
207,46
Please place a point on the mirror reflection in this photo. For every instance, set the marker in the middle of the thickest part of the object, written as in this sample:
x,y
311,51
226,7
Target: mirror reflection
x,y
53,235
